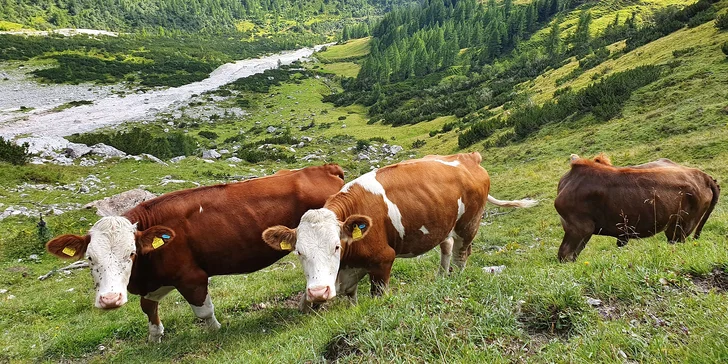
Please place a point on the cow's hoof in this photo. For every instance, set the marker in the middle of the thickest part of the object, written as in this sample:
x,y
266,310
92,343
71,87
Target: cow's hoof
x,y
212,324
155,333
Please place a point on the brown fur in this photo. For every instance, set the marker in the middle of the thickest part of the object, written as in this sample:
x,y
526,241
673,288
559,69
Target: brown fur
x,y
596,198
223,238
426,193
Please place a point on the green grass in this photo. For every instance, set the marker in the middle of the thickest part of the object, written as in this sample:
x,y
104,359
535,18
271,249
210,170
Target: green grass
x,y
658,302
352,49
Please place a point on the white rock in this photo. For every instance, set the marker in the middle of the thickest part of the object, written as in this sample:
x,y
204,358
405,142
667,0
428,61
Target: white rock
x,y
177,159
120,203
76,150
271,129
234,160
3,291
211,154
593,302
37,145
154,159
106,151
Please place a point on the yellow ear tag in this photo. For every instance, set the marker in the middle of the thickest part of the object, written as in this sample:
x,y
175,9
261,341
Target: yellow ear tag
x,y
157,242
286,246
356,234
69,251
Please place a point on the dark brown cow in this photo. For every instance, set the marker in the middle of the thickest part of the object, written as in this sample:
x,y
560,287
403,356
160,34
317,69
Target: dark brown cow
x,y
180,239
403,210
595,197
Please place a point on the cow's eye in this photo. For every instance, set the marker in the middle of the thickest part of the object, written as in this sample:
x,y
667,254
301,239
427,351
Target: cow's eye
x,y
90,260
337,248
132,255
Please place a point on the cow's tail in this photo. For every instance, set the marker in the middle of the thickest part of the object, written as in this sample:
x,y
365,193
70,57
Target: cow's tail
x,y
525,203
716,193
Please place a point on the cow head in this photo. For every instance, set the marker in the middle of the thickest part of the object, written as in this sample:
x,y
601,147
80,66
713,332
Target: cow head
x,y
319,242
111,247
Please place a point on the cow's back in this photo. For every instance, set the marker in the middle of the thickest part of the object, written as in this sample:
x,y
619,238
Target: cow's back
x,y
636,200
424,199
219,228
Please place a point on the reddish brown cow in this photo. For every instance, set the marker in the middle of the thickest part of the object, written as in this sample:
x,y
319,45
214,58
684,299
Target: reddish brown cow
x,y
595,197
403,210
180,239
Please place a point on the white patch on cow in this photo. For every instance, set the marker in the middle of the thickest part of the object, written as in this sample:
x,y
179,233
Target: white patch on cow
x,y
424,230
461,208
155,333
200,208
159,294
368,182
318,235
451,164
109,254
207,313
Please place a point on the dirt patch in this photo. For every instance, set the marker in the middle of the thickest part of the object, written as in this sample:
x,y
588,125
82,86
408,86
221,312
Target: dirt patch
x,y
341,346
280,302
715,280
609,312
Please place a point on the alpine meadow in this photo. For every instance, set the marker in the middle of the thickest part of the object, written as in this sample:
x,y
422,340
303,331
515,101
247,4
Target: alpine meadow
x,y
107,105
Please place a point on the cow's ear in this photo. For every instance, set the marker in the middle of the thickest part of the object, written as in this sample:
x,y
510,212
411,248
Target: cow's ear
x,y
154,238
355,227
280,238
69,246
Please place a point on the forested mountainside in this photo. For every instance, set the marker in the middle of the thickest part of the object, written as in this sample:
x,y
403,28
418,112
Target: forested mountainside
x,y
466,58
192,15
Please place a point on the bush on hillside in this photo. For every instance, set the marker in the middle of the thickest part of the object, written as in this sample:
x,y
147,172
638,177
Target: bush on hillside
x,y
139,141
725,48
13,153
721,22
208,134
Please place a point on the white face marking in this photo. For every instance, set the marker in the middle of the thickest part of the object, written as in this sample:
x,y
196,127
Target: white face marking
x,y
461,208
451,164
318,246
369,182
200,208
424,230
109,253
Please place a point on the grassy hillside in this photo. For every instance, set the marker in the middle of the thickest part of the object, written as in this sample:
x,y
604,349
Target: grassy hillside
x,y
660,302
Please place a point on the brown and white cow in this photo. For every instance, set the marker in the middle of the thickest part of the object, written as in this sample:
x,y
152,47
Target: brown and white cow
x,y
402,210
596,198
180,239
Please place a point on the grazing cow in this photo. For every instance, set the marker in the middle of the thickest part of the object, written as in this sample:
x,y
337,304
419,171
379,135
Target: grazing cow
x,y
595,197
402,210
182,238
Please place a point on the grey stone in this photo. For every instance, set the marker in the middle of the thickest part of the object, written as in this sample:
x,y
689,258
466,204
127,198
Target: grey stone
x,y
177,159
76,150
271,129
107,151
211,154
120,203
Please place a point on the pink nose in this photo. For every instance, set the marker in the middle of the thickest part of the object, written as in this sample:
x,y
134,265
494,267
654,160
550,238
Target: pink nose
x,y
319,294
110,300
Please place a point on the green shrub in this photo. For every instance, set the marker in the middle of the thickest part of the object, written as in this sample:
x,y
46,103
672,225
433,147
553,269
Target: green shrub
x,y
418,143
13,153
252,154
721,22
725,48
208,134
138,141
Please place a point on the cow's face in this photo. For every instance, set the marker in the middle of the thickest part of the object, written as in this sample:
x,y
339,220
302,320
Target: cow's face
x,y
111,247
319,242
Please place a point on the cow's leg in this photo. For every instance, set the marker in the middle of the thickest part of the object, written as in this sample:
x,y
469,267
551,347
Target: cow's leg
x,y
622,241
379,278
461,251
347,282
150,306
445,255
572,245
198,297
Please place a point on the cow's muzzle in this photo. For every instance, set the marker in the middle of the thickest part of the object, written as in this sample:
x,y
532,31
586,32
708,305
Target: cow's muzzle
x,y
319,294
112,300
